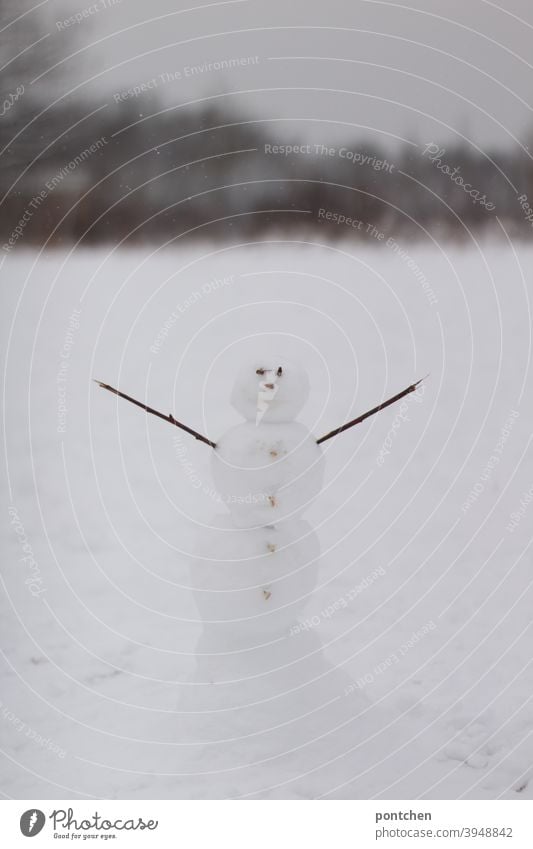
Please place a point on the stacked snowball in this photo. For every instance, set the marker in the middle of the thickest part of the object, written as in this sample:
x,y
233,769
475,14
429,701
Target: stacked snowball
x,y
254,568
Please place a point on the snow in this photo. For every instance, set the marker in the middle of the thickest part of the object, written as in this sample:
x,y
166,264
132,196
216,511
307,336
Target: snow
x,y
424,592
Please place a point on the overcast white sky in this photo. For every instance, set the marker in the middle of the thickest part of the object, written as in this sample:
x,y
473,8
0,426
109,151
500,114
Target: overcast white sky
x,y
426,69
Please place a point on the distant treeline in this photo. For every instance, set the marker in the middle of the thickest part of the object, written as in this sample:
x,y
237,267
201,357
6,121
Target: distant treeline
x,y
137,171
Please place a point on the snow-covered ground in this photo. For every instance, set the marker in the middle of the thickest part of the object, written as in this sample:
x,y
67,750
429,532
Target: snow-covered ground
x,y
424,596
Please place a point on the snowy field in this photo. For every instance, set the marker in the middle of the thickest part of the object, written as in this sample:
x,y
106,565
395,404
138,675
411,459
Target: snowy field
x,y
424,596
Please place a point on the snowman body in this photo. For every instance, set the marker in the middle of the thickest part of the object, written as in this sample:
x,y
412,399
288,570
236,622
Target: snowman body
x,y
252,584
255,568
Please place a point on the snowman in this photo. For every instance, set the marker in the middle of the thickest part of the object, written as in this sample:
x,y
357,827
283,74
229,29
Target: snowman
x,y
255,567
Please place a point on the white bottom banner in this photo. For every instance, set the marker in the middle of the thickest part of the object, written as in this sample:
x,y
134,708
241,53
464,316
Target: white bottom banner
x,y
269,825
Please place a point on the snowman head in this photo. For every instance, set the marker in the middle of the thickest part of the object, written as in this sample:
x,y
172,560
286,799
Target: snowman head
x,y
270,389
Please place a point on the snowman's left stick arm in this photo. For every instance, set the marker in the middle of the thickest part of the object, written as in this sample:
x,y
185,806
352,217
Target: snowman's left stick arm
x,y
364,416
170,418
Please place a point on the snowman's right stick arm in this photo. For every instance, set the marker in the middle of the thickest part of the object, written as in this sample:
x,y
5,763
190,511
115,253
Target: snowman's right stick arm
x,y
170,418
364,416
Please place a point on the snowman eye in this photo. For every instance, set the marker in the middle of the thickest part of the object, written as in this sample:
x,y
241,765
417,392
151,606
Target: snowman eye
x,y
260,371
279,372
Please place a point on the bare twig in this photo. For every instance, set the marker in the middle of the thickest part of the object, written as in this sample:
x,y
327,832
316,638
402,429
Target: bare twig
x,y
364,416
170,418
